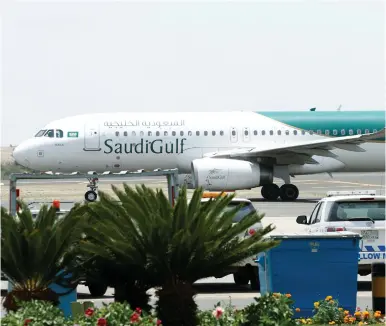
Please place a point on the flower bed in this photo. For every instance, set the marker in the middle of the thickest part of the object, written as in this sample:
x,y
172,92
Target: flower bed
x,y
268,310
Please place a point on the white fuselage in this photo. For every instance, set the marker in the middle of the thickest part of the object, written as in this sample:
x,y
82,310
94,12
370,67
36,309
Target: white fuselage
x,y
132,141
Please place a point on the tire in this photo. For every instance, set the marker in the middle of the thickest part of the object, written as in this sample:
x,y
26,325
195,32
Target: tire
x,y
240,279
97,290
90,196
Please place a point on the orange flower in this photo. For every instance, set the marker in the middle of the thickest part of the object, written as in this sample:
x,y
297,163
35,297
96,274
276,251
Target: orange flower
x,y
357,314
288,295
346,312
297,309
377,315
328,298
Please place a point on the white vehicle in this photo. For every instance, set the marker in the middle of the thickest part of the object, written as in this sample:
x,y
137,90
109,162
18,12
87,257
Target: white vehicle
x,y
246,270
362,212
216,150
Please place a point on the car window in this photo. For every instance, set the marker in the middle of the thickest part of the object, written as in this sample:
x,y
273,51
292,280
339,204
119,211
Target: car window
x,y
345,210
314,213
245,209
319,213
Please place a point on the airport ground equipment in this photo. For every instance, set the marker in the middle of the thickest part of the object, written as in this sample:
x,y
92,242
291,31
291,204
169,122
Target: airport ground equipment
x,y
360,211
378,286
311,267
171,175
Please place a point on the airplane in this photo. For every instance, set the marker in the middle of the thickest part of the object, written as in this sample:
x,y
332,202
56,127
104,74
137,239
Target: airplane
x,y
215,150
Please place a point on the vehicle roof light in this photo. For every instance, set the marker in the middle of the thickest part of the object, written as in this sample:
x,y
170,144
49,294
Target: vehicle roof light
x,y
352,192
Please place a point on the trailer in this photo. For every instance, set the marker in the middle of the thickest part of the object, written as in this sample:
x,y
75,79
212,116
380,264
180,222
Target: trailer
x,y
172,185
171,176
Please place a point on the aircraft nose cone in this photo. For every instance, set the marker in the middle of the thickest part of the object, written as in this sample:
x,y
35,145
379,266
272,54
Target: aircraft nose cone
x,y
19,155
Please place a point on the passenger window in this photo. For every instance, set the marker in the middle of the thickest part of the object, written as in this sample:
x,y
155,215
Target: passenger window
x,y
165,133
351,132
221,133
149,133
142,133
213,133
205,133
335,132
157,133
287,132
233,133
197,133
125,133
303,132
359,132
375,130
189,133
319,132
295,132
366,131
173,133
117,133
311,132
246,132
327,132
59,133
263,132
271,132
255,132
40,133
181,133
133,133
343,132
279,132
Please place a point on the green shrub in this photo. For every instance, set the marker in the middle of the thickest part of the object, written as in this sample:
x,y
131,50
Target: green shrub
x,y
34,313
270,310
116,314
221,315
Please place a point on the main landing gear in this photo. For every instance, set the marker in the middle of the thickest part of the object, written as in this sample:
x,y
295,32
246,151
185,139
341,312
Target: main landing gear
x,y
91,194
287,192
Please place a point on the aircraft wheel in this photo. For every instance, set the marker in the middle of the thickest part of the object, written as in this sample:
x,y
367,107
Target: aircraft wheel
x,y
289,192
270,191
90,195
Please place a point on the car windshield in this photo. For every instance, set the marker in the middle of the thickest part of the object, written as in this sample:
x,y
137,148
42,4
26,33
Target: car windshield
x,y
245,209
346,210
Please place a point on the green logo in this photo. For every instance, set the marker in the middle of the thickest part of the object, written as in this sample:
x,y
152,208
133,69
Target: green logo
x,y
72,134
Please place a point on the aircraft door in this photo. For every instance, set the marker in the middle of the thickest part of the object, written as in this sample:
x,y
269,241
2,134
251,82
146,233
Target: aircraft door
x,y
91,137
233,135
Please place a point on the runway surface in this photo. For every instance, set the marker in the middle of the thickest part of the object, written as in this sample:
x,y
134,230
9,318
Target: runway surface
x,y
281,214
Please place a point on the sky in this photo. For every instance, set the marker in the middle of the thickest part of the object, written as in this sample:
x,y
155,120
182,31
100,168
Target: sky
x,y
63,58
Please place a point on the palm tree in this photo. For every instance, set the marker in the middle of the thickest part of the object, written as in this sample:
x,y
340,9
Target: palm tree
x,y
112,254
176,246
38,252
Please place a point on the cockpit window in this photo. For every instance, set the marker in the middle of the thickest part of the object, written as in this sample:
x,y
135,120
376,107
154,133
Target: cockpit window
x,y
58,133
49,133
40,133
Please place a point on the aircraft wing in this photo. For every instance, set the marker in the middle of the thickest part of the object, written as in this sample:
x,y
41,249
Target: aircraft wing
x,y
305,150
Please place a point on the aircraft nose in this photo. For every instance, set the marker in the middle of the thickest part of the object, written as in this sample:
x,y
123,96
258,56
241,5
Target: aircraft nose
x,y
20,155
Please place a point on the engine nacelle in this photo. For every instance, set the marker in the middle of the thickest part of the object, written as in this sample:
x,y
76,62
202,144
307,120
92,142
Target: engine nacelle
x,y
228,175
186,180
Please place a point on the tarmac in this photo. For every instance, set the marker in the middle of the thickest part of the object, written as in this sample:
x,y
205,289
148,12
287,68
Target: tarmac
x,y
281,214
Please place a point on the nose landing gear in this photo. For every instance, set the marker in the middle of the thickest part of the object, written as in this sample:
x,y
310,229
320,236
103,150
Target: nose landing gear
x,y
91,195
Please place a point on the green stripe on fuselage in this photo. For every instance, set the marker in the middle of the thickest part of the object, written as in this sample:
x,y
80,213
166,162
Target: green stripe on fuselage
x,y
331,120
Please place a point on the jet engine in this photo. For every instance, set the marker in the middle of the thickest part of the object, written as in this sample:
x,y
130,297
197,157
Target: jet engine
x,y
228,175
185,180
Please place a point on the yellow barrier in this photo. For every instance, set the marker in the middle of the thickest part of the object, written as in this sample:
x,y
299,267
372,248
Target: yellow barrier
x,y
378,287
